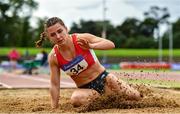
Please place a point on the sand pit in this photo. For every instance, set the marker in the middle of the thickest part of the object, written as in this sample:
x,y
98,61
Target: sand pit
x,y
154,100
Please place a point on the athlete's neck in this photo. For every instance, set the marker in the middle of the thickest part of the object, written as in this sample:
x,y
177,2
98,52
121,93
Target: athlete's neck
x,y
67,45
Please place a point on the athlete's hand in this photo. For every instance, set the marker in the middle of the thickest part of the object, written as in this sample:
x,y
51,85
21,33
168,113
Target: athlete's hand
x,y
83,43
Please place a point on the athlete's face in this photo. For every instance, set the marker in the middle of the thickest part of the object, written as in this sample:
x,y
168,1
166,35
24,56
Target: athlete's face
x,y
57,34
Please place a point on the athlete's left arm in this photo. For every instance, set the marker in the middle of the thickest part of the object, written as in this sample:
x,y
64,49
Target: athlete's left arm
x,y
89,41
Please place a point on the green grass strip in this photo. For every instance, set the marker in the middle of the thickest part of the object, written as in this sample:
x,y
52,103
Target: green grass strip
x,y
111,53
135,52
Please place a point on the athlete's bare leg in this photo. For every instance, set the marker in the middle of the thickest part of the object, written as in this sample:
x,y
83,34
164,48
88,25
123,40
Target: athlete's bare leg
x,y
83,96
115,85
112,85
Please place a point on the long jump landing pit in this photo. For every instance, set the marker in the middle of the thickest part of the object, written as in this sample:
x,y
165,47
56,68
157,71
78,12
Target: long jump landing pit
x,y
155,100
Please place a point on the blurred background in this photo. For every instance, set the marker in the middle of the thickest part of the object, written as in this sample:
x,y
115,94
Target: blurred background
x,y
146,33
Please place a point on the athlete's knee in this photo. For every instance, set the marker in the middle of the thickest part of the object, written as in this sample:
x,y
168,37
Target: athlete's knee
x,y
135,95
77,100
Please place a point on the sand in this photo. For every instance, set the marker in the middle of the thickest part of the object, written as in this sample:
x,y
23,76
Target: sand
x,y
155,100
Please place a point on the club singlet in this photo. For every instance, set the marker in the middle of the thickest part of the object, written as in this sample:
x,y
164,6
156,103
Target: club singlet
x,y
83,60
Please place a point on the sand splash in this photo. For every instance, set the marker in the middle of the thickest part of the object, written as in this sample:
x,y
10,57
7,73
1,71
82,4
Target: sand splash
x,y
149,99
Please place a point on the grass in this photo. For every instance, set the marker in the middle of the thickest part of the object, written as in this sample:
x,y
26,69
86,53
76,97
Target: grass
x,y
136,52
111,53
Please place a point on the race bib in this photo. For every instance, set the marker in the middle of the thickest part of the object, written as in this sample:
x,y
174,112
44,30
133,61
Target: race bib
x,y
76,66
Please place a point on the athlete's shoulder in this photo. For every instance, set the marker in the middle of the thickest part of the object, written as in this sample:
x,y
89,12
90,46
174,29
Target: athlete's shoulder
x,y
52,56
87,36
84,35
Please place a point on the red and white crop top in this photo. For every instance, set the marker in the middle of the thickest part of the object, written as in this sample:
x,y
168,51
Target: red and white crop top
x,y
83,60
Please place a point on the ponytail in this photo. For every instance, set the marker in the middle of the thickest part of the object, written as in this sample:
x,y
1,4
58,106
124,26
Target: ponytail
x,y
40,41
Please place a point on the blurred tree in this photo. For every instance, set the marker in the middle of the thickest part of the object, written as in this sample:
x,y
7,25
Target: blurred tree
x,y
15,29
119,40
93,27
129,27
176,26
14,21
140,42
176,33
158,16
176,40
147,27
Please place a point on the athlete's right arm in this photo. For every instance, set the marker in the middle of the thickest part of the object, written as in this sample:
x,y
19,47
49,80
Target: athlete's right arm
x,y
55,80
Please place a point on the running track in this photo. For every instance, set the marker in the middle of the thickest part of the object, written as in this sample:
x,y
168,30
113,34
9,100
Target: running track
x,y
10,80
